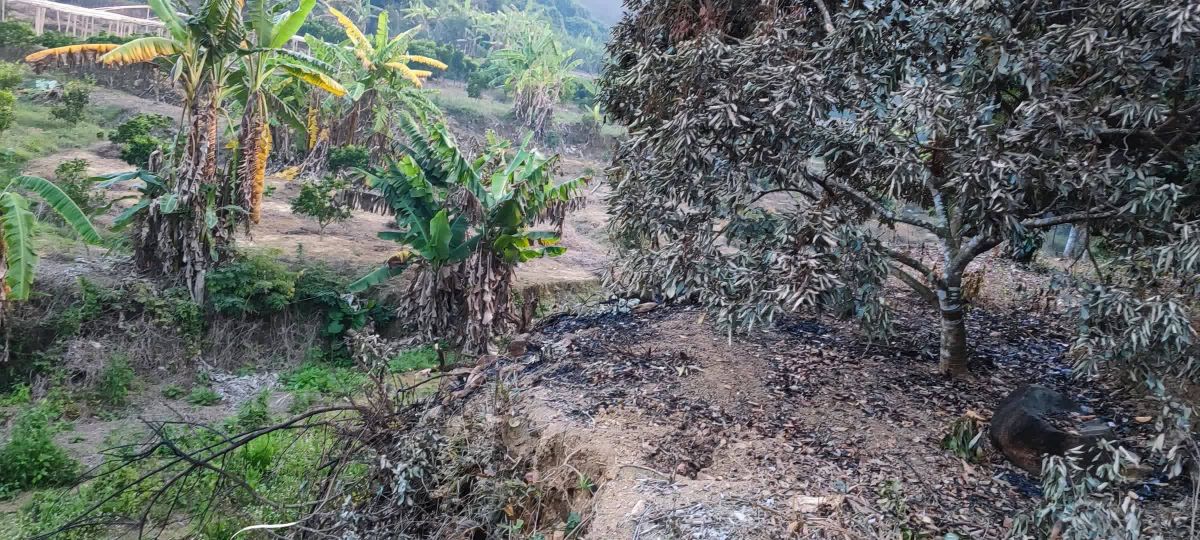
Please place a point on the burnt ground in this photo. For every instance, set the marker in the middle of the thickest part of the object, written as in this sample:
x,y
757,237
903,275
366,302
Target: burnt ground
x,y
809,426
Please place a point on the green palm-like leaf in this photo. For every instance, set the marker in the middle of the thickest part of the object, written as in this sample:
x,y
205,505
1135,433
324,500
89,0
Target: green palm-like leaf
x,y
62,204
17,223
376,277
165,11
287,28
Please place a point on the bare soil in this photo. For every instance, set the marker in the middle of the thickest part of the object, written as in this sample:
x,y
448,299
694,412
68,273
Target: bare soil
x,y
807,430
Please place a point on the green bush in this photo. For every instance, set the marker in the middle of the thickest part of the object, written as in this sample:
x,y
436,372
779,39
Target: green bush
x,y
31,459
414,359
8,113
11,75
116,381
251,285
322,200
321,290
173,391
203,396
13,33
52,38
73,106
348,156
476,84
71,176
141,136
19,395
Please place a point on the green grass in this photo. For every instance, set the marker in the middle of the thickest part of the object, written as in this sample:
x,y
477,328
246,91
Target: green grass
x,y
278,467
324,379
203,396
417,359
35,134
469,110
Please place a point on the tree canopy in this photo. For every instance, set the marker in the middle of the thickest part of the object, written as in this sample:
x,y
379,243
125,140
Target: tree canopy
x,y
975,121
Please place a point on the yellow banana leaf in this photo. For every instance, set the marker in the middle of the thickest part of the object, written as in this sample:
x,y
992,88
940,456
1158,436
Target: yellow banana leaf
x,y
139,50
318,80
356,36
71,50
425,60
406,72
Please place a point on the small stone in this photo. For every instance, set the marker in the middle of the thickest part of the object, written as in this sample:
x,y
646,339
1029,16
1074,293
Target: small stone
x,y
638,508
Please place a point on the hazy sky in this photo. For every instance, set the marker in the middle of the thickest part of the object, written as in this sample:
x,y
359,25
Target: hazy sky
x,y
608,11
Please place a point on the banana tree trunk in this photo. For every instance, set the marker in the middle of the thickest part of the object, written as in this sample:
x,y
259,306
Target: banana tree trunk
x,y
176,235
255,147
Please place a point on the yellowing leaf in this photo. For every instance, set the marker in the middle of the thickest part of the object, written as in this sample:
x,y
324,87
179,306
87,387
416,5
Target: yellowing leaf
x,y
356,36
425,60
71,50
318,80
406,72
139,50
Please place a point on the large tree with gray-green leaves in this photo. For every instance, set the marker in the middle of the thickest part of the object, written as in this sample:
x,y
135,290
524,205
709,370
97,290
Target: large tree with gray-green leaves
x,y
976,121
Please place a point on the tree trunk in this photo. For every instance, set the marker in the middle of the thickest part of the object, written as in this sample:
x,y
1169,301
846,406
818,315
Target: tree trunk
x,y
953,352
1069,248
180,241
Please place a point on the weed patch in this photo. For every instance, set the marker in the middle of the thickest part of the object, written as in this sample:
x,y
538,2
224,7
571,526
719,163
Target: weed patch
x,y
324,379
30,458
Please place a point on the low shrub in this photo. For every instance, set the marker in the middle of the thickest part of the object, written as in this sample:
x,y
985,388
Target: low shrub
x,y
322,201
253,414
16,33
347,157
11,75
71,176
53,38
252,285
72,107
324,379
8,112
31,459
203,396
173,391
115,382
415,359
141,136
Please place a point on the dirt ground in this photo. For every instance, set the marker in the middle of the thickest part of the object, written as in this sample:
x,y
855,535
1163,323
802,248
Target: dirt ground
x,y
807,430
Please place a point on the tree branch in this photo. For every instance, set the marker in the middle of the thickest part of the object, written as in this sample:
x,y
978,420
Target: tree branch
x,y
1087,215
921,289
908,260
975,247
885,215
825,15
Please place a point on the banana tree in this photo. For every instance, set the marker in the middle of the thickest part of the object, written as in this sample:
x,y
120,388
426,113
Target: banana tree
x,y
379,63
192,229
199,51
270,32
534,70
18,256
466,224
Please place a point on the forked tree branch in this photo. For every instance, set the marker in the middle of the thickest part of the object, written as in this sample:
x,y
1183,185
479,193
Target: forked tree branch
x,y
885,215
